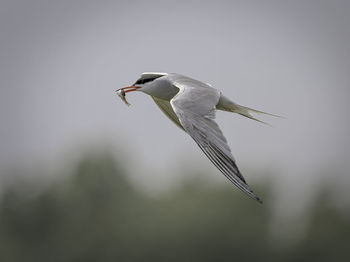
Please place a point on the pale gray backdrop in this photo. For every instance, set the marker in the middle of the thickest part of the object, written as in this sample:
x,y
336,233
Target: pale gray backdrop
x,y
60,62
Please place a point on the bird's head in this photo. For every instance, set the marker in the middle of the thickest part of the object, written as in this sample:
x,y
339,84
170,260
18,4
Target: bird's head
x,y
153,84
145,83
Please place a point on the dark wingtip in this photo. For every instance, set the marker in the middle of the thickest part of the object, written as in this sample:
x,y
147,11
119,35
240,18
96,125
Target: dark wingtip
x,y
259,200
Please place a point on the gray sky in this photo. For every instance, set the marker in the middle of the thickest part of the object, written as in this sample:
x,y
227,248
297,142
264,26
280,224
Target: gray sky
x,y
61,61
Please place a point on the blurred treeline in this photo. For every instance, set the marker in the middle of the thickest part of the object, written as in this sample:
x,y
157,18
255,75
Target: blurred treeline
x,y
95,214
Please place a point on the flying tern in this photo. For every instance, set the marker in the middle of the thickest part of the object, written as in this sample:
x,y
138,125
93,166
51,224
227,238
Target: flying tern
x,y
191,105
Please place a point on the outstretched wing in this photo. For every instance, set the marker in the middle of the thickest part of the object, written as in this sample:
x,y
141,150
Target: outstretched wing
x,y
194,106
167,110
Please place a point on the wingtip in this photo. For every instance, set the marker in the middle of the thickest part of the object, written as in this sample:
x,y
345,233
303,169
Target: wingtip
x,y
252,195
259,200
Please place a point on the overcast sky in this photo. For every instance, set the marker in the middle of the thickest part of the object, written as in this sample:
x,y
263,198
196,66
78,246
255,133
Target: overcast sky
x,y
61,61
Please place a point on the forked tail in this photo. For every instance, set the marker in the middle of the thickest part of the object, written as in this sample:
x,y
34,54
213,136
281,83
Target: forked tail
x,y
226,105
247,112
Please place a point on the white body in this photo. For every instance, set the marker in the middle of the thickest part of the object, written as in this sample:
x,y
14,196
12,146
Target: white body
x,y
191,105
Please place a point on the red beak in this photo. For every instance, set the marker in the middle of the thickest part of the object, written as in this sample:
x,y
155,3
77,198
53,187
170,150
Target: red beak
x,y
130,88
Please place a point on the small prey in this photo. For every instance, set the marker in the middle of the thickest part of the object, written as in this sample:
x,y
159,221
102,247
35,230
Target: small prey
x,y
121,94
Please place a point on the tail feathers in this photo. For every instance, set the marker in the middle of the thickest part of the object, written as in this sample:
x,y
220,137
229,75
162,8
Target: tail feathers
x,y
247,112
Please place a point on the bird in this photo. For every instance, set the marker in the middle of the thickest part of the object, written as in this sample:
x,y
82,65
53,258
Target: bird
x,y
192,105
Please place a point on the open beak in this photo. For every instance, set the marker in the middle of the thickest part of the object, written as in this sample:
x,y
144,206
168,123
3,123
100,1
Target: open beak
x,y
122,91
130,88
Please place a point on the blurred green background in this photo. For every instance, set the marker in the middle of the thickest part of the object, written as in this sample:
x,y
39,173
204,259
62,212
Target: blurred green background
x,y
94,213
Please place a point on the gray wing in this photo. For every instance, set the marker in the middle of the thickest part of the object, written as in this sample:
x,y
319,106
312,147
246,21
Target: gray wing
x,y
195,109
167,110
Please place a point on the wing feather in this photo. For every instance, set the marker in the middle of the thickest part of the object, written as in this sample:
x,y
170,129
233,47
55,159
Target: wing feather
x,y
167,110
195,110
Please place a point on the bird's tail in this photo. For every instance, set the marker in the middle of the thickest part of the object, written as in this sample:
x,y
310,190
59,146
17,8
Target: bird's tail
x,y
226,105
248,112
